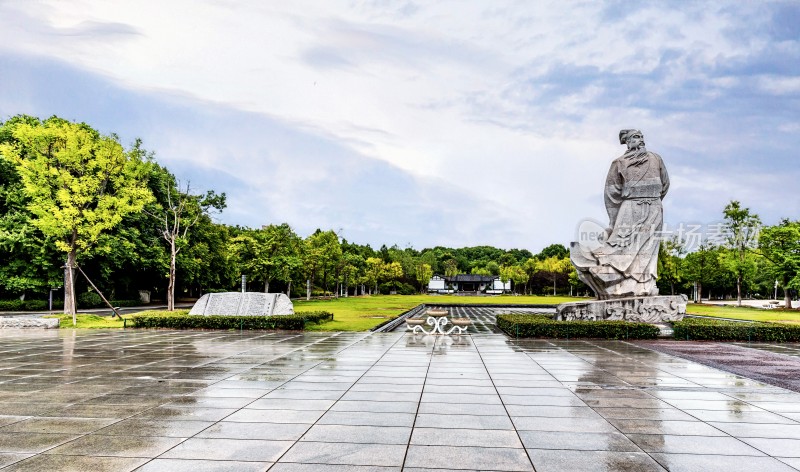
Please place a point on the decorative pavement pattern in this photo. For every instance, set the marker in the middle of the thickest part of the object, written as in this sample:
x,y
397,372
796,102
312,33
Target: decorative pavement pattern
x,y
484,318
255,401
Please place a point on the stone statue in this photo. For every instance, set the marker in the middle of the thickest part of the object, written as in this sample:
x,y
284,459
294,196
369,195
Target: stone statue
x,y
622,268
625,264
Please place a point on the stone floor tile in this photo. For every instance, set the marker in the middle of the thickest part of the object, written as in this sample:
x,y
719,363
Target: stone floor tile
x,y
581,425
552,411
594,461
58,425
208,402
31,443
194,465
346,454
467,458
148,427
685,428
693,445
386,407
740,417
76,464
471,409
577,441
358,434
7,459
367,418
790,461
268,431
294,467
228,449
721,463
659,414
118,446
775,447
757,430
290,404
247,415
463,422
465,437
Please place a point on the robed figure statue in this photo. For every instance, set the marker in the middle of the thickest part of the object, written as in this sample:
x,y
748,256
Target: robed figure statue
x,y
625,263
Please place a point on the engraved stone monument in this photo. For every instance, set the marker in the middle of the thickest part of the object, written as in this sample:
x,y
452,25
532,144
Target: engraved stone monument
x,y
622,268
243,304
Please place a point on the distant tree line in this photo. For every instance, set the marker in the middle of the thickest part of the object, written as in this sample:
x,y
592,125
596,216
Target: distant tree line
x,y
78,209
744,259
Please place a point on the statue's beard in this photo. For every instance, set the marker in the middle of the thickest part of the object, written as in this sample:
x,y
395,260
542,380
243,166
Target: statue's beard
x,y
637,155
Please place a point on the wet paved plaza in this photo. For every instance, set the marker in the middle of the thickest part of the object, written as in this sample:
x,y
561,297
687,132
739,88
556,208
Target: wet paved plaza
x,y
191,400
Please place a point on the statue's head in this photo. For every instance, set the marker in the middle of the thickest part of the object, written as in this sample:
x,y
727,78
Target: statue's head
x,y
632,137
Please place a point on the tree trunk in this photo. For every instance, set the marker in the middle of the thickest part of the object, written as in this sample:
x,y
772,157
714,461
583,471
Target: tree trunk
x,y
266,286
672,288
554,287
289,290
739,291
699,292
308,289
171,286
69,286
787,296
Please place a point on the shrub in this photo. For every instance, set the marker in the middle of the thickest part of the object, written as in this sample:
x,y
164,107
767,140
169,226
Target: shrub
x,y
182,320
699,329
124,303
400,287
12,305
35,305
89,300
542,326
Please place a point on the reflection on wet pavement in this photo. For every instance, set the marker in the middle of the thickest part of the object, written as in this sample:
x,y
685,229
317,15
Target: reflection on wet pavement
x,y
192,400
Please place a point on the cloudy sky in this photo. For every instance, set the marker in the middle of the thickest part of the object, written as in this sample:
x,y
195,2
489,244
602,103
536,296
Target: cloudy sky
x,y
425,123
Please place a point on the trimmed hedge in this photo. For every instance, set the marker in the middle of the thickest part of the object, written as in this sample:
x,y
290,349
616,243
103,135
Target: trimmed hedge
x,y
182,320
700,329
542,326
23,305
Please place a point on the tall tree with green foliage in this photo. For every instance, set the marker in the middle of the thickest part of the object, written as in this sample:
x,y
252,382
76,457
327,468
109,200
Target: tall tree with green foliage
x,y
393,272
177,216
670,254
780,245
701,267
553,267
374,271
424,273
80,184
742,228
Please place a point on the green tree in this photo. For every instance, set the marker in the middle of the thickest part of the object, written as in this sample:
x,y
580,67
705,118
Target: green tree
x,y
80,184
374,272
450,268
553,267
177,216
701,267
393,272
424,274
780,245
669,262
742,229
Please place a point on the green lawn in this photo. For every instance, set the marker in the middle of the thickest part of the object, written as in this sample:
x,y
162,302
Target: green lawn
x,y
363,313
744,313
88,321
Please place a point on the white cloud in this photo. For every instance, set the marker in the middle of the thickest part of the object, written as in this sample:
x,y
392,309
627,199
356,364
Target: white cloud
x,y
514,103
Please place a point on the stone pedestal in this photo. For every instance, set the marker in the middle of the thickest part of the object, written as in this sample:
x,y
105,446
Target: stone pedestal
x,y
658,309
